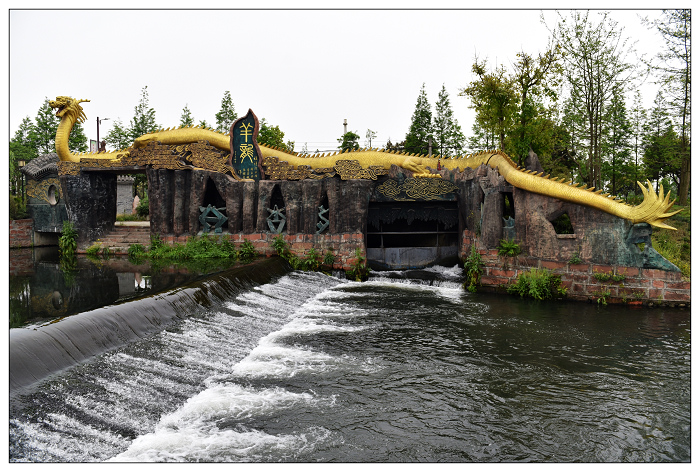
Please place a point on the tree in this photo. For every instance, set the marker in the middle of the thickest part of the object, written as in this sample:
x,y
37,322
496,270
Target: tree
x,y
417,137
449,140
535,80
226,115
21,148
43,134
494,99
119,137
349,142
369,135
186,117
144,120
481,139
675,72
595,63
638,118
273,136
661,144
396,147
617,134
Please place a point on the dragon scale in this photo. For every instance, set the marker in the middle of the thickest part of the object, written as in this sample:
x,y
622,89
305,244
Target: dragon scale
x,y
654,209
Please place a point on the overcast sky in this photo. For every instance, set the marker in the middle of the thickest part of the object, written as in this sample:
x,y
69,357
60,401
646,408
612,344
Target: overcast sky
x,y
304,70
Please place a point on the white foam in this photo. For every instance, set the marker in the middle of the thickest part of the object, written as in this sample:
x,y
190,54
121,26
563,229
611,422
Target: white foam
x,y
192,433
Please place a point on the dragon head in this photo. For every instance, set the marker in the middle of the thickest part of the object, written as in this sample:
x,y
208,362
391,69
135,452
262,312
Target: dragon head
x,y
69,106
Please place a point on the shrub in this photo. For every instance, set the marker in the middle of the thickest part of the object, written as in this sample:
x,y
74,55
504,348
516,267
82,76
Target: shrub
x,y
94,250
359,271
539,284
329,258
474,268
67,243
142,209
508,248
18,208
247,251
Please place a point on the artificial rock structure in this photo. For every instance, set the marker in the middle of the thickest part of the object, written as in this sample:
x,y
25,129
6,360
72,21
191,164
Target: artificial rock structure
x,y
399,210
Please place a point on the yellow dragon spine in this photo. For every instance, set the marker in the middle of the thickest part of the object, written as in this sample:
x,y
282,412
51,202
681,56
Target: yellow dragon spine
x,y
654,209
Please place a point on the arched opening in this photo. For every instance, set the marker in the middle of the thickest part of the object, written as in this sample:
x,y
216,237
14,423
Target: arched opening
x,y
213,209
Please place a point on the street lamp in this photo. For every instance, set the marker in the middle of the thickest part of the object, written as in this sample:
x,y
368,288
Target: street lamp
x,y
98,131
21,163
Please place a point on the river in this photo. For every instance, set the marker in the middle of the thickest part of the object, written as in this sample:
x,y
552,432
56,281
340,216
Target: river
x,y
407,367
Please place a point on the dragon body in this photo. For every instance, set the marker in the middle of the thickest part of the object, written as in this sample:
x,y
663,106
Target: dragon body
x,y
654,209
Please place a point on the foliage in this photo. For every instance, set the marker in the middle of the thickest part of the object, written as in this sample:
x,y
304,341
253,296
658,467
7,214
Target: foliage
x,y
273,136
474,268
421,126
675,245
602,295
540,284
18,208
196,248
594,56
508,248
575,259
136,252
143,208
67,243
226,115
359,271
94,250
447,134
247,251
186,118
494,99
349,142
144,120
329,258
312,262
369,136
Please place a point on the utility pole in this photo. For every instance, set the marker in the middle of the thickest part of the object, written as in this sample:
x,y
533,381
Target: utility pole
x,y
98,133
345,126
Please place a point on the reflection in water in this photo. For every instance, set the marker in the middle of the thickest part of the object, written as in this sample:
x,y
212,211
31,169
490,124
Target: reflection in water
x,y
43,290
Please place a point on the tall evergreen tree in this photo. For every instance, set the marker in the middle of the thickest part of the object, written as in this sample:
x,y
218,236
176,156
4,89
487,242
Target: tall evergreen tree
x,y
417,137
186,117
660,143
638,118
226,115
675,70
449,140
617,134
21,148
43,135
144,120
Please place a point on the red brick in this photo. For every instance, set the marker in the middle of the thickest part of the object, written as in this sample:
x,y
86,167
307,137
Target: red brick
x,y
552,265
655,292
678,285
657,283
502,273
579,267
628,271
654,274
254,237
578,288
487,280
677,295
602,268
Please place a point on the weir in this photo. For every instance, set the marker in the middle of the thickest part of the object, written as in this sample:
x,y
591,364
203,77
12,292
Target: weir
x,y
38,352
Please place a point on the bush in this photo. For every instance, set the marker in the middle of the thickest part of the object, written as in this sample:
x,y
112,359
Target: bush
x,y
18,208
142,209
67,243
539,284
508,248
474,268
359,271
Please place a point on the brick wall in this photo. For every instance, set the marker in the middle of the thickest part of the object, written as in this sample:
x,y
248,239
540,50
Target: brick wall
x,y
343,245
21,233
638,286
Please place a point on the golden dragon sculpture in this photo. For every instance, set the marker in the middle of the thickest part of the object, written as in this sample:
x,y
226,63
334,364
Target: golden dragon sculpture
x,y
654,209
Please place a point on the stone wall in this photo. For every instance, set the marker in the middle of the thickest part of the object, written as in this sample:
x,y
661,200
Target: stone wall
x,y
640,286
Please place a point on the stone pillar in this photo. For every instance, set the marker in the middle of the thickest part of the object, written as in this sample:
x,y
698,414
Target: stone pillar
x,y
91,203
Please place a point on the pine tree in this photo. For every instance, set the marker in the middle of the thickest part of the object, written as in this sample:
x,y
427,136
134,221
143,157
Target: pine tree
x,y
186,117
77,141
617,134
449,139
144,120
21,148
43,135
226,115
349,142
638,117
417,137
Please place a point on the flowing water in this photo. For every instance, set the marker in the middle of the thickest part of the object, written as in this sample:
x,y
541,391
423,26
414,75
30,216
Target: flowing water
x,y
405,367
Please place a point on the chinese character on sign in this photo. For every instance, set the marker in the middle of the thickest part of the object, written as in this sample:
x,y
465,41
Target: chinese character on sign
x,y
247,151
246,130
